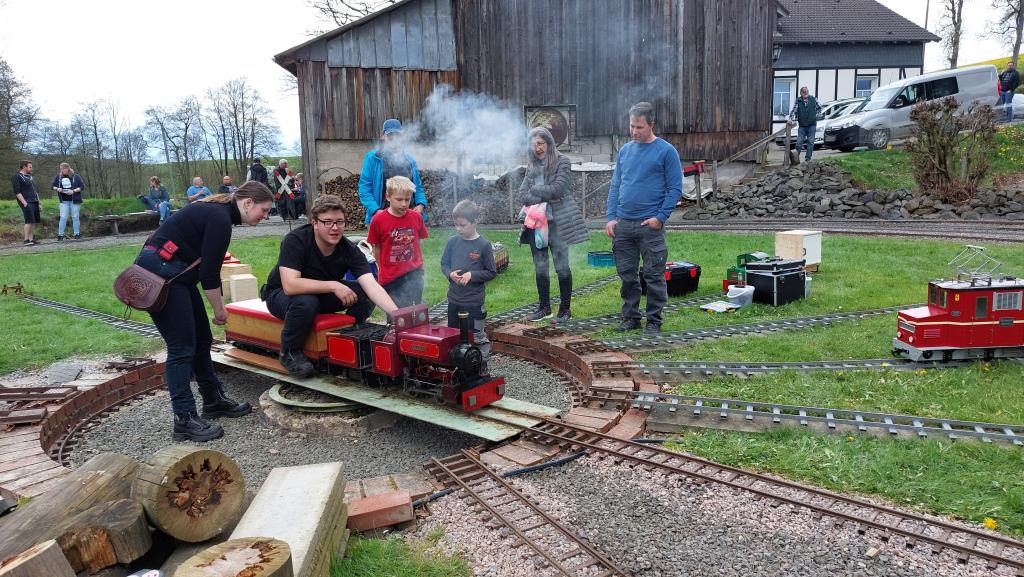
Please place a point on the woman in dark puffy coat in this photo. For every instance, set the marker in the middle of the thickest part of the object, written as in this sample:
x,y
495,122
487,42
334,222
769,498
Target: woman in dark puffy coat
x,y
547,180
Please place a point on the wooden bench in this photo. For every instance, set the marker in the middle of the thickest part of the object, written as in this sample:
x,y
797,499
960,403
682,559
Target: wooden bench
x,y
114,219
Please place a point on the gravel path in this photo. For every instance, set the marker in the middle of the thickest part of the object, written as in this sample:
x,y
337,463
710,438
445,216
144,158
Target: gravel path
x,y
146,427
531,382
654,525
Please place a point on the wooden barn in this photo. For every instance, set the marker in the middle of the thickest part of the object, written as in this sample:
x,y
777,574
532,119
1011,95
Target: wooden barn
x,y
706,65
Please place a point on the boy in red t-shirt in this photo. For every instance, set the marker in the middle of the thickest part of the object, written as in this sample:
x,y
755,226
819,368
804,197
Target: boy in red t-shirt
x,y
395,234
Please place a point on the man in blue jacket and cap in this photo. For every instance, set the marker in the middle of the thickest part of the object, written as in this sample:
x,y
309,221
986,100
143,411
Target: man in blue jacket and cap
x,y
384,162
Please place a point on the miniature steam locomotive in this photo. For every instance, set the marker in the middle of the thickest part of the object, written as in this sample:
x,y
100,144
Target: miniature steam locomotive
x,y
422,359
975,315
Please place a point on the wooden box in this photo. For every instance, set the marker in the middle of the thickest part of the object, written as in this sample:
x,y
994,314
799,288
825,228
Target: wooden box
x,y
800,245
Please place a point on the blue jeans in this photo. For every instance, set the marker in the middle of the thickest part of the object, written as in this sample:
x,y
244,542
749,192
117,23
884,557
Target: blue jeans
x,y
1006,100
186,330
631,243
66,206
805,134
162,206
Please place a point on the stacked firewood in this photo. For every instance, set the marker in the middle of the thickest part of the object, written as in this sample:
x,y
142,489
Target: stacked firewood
x,y
347,189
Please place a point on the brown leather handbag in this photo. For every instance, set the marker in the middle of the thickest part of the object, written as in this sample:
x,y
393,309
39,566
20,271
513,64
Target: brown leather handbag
x,y
143,290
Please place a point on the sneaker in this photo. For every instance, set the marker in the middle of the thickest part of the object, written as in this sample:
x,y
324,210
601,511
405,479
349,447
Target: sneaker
x,y
218,405
628,325
541,314
563,315
190,427
29,242
296,363
60,238
78,237
652,329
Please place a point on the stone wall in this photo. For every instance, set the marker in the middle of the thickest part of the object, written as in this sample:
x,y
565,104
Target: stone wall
x,y
823,190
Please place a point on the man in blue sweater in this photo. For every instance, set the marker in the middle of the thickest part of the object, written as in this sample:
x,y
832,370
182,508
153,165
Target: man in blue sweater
x,y
388,160
645,188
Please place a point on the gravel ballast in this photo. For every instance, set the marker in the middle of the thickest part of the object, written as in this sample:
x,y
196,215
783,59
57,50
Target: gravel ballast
x,y
527,381
145,427
655,525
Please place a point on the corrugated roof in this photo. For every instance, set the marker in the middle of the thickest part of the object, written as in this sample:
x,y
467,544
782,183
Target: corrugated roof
x,y
816,21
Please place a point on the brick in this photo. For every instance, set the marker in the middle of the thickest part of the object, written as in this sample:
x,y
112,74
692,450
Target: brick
x,y
378,511
377,486
612,383
539,448
521,456
131,376
415,485
353,491
647,387
496,461
592,423
147,371
595,413
160,368
625,432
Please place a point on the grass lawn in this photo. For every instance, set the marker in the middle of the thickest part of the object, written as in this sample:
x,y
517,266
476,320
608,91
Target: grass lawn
x,y
972,481
397,558
890,169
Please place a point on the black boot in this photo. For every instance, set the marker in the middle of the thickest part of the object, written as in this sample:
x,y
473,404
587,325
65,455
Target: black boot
x,y
296,363
216,404
190,427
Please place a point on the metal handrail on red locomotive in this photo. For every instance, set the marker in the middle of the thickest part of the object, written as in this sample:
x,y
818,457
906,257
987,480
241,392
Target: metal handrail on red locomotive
x,y
975,315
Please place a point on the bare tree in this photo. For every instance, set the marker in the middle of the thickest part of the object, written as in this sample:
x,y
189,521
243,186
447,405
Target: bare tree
x,y
341,12
91,137
951,28
1009,23
18,112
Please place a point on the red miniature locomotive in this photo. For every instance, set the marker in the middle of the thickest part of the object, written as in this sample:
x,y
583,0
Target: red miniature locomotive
x,y
425,360
975,315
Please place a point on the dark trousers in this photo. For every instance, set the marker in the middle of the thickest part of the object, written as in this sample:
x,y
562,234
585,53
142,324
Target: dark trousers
x,y
477,322
299,311
632,243
406,290
186,330
286,208
560,255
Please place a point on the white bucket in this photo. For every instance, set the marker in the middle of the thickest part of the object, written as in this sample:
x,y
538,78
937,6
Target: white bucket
x,y
740,296
807,286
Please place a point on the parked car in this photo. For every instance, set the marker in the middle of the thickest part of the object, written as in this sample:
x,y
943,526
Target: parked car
x,y
885,115
829,111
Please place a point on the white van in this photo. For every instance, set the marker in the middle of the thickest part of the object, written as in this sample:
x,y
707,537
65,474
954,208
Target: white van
x,y
885,115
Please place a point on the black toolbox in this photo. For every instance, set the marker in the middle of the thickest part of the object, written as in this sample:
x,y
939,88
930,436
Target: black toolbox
x,y
681,277
776,287
775,264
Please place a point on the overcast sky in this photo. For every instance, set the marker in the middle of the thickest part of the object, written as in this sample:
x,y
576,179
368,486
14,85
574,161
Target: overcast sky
x,y
154,53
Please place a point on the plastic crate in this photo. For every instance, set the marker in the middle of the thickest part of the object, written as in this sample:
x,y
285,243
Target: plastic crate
x,y
600,258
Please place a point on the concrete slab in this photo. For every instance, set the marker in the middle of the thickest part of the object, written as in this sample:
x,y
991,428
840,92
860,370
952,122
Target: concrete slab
x,y
63,372
304,507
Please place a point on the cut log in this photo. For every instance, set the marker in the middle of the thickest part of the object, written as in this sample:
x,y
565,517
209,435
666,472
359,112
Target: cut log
x,y
103,478
249,557
43,559
190,494
109,533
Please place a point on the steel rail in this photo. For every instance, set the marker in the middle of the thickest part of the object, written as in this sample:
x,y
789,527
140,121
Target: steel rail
x,y
144,329
518,312
778,413
668,339
595,322
663,371
469,473
861,513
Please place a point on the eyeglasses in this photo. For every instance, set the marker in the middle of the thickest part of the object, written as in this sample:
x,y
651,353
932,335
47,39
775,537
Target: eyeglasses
x,y
340,223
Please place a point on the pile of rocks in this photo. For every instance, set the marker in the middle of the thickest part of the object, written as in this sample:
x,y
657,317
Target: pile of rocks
x,y
823,190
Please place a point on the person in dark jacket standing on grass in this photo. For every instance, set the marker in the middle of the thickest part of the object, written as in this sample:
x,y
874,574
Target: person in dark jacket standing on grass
x,y
25,193
200,230
388,160
1009,80
69,185
645,189
548,176
805,112
258,172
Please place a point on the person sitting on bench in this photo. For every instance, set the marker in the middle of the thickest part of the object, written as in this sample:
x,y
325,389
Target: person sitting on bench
x,y
307,281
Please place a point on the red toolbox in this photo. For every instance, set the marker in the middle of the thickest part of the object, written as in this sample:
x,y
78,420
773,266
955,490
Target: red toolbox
x,y
681,277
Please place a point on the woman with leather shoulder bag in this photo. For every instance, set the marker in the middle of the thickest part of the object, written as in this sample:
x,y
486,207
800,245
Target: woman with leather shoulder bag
x,y
547,180
201,230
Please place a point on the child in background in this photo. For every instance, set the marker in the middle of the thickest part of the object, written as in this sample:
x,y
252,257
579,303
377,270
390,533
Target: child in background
x,y
395,234
468,262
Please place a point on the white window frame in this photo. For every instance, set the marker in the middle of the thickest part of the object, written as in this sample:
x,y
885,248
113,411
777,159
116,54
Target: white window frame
x,y
790,93
862,93
1008,301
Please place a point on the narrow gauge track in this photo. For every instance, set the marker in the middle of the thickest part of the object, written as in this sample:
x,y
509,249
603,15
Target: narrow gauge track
x,y
983,230
669,339
673,371
601,321
561,549
519,312
966,542
776,413
144,329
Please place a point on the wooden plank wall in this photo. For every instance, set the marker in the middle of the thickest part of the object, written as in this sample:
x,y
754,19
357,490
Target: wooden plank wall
x,y
417,35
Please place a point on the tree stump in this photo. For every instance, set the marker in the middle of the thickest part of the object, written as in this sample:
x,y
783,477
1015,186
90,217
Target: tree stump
x,y
247,557
190,494
43,559
109,533
103,478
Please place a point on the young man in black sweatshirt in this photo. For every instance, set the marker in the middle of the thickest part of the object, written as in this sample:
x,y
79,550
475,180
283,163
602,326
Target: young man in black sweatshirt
x,y
468,263
25,192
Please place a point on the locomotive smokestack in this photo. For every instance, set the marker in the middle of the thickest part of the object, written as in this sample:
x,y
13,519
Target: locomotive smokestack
x,y
464,327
